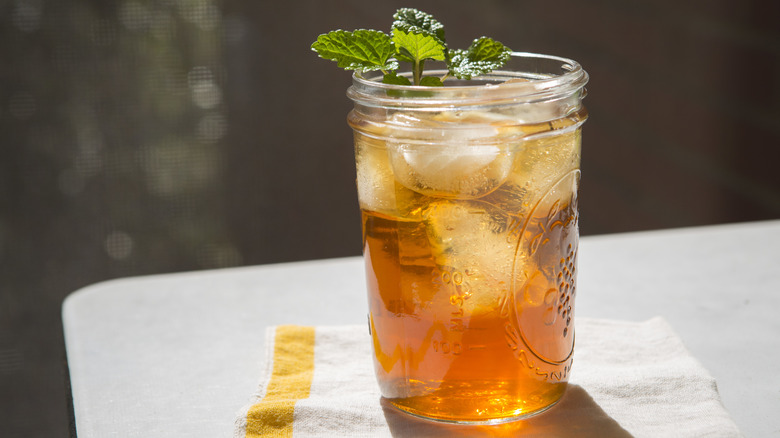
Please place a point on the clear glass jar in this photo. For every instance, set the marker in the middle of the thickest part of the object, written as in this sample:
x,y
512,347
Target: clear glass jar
x,y
469,195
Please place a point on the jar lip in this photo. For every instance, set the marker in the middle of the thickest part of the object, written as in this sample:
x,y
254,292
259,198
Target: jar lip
x,y
563,77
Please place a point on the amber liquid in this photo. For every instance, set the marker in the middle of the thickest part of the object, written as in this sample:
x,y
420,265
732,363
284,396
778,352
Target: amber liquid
x,y
471,298
437,355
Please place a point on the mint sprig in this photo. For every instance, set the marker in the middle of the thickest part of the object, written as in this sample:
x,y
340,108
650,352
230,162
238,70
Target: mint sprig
x,y
415,37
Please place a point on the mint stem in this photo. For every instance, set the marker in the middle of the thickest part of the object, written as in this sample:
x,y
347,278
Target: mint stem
x,y
417,71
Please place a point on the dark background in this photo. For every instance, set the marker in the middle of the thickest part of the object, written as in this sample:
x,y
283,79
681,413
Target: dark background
x,y
141,137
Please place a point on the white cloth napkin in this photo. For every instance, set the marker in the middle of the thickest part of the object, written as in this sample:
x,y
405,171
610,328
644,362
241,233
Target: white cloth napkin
x,y
628,379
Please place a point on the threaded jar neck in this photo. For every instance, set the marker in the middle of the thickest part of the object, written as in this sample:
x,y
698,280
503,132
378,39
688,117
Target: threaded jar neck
x,y
552,86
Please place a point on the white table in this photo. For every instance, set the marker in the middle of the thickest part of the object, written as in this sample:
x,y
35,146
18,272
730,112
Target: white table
x,y
178,355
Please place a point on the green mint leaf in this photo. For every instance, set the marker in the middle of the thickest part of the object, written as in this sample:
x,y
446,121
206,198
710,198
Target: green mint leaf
x,y
361,50
483,56
431,81
413,21
416,47
393,78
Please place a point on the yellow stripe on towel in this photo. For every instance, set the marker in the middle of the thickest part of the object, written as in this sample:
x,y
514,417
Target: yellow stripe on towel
x,y
293,368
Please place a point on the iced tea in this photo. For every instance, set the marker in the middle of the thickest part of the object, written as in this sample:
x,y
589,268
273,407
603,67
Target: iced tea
x,y
470,244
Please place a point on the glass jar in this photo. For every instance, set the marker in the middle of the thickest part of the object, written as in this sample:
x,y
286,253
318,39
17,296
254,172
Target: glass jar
x,y
468,195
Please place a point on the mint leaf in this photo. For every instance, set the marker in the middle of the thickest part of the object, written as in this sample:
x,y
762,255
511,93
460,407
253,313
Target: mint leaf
x,y
393,78
431,81
483,56
361,50
413,21
417,48
413,47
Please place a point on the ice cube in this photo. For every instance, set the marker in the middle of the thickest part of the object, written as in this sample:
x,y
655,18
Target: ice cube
x,y
543,161
375,180
450,155
378,190
471,246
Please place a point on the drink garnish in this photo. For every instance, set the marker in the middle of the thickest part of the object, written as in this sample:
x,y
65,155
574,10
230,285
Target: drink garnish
x,y
415,37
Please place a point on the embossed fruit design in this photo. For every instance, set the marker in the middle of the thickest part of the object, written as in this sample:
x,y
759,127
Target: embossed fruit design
x,y
545,282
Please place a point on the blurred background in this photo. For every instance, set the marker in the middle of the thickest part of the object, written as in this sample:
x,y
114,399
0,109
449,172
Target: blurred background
x,y
141,137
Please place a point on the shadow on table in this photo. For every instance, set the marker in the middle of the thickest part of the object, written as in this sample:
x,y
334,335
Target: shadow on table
x,y
576,415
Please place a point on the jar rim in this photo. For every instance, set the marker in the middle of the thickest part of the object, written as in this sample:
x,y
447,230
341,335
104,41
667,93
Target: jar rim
x,y
543,78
